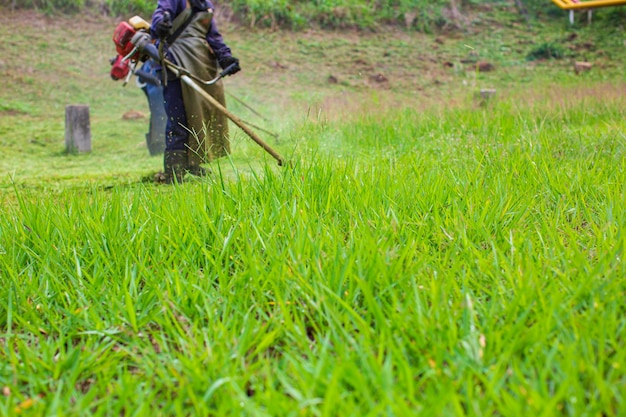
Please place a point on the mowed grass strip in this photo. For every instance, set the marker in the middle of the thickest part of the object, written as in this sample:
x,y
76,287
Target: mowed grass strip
x,y
467,262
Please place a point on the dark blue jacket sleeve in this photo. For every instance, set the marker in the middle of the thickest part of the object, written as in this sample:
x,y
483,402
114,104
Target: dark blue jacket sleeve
x,y
176,7
216,42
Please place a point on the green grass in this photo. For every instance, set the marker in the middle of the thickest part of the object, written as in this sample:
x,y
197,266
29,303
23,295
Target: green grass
x,y
466,263
422,254
414,15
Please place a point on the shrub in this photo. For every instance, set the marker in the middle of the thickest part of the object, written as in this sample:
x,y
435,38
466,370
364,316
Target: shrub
x,y
546,50
48,6
126,7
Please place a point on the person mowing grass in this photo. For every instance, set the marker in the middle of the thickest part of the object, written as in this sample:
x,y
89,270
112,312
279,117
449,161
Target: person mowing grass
x,y
195,131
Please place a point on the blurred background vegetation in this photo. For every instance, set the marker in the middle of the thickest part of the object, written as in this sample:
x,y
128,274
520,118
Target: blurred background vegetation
x,y
418,15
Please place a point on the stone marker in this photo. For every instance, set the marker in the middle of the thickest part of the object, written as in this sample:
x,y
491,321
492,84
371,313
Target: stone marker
x,y
77,129
485,96
487,93
582,67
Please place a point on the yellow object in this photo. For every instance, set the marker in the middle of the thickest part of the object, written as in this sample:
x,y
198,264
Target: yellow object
x,y
24,405
138,23
591,4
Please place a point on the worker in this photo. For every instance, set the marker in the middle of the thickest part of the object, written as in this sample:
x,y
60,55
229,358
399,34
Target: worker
x,y
195,131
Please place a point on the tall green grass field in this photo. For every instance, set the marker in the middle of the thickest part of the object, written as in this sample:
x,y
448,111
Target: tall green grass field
x,y
462,263
463,258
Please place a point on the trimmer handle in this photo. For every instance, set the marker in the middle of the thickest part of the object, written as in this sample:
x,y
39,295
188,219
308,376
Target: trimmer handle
x,y
167,21
148,78
229,70
144,44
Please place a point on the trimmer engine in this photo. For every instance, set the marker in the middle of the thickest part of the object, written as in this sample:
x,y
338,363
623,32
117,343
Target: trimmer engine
x,y
127,52
119,68
124,32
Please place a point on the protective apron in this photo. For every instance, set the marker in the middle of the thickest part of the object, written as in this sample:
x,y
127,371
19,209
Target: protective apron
x,y
208,127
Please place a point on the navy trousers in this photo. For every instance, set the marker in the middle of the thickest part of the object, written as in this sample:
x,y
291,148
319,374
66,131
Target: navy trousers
x,y
176,132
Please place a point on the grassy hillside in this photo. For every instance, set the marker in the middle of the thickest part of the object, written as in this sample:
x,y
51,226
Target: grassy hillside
x,y
414,15
52,62
425,252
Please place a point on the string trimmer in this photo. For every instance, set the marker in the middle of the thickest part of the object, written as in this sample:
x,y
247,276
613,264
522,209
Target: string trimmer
x,y
134,44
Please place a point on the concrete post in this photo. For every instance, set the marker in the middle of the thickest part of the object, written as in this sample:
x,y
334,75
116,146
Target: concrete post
x,y
77,129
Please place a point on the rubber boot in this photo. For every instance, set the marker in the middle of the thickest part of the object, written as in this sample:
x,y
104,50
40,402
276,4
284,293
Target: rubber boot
x,y
193,164
175,165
